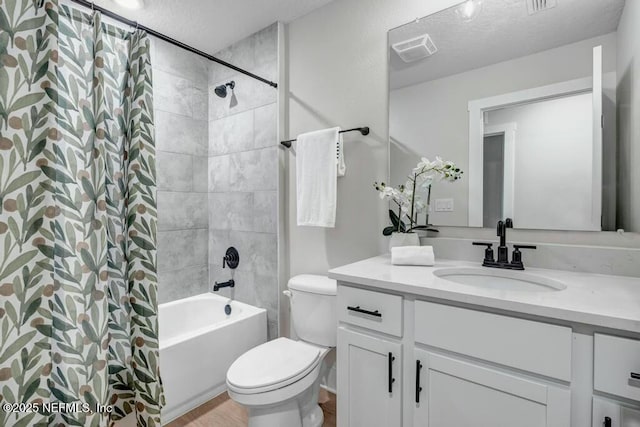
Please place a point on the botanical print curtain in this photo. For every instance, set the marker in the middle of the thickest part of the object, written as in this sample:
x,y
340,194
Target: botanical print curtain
x,y
78,302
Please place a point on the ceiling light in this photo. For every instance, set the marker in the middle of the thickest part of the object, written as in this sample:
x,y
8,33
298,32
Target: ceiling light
x,y
130,4
469,10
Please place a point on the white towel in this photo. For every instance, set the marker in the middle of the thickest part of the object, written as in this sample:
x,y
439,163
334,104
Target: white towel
x,y
342,168
412,255
316,177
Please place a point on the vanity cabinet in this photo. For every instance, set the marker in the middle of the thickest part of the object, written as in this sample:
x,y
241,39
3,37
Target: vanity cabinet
x,y
369,373
483,369
453,393
407,362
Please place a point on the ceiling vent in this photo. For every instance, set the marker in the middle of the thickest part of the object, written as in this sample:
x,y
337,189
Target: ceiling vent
x,y
535,6
416,48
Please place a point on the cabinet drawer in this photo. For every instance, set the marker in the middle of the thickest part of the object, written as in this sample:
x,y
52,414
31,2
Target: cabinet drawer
x,y
536,347
370,309
617,366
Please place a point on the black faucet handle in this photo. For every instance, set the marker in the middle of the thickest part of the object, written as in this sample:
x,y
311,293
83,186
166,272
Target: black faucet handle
x,y
231,258
488,253
508,223
516,257
487,244
525,247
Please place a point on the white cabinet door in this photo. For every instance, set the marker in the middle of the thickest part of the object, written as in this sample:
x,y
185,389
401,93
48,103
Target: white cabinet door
x,y
452,393
608,413
369,372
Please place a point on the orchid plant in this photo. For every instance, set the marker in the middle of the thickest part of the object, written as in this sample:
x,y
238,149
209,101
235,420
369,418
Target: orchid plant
x,y
407,196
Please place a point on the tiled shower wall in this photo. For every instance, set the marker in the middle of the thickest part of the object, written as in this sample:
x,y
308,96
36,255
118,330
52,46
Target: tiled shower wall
x,y
217,172
243,173
181,119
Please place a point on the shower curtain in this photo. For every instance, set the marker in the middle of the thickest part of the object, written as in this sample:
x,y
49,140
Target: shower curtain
x,y
78,303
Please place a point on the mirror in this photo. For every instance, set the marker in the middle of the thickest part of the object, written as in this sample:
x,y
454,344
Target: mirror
x,y
533,100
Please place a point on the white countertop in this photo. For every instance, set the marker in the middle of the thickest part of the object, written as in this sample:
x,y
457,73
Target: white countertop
x,y
592,299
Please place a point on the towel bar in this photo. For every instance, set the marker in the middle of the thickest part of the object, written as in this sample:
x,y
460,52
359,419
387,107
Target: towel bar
x,y
362,130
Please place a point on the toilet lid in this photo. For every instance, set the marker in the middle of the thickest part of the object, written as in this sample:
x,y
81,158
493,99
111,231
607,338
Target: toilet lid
x,y
272,365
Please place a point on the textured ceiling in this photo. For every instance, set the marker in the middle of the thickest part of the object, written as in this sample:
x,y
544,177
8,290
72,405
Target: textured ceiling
x,y
504,30
210,25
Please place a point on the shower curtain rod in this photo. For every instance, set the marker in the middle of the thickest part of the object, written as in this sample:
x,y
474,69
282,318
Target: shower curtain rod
x,y
119,18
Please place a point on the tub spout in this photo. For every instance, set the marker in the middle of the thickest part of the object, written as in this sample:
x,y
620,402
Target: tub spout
x,y
217,286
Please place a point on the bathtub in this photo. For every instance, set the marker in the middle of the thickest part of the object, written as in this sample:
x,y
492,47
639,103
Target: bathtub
x,y
198,343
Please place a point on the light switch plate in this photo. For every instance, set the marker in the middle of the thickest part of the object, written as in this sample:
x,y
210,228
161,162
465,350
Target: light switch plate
x,y
444,205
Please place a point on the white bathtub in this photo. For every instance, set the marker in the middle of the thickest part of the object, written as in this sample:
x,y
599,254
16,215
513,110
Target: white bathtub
x,y
198,343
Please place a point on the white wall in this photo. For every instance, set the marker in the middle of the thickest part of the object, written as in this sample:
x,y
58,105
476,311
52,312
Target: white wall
x,y
553,162
629,117
431,118
337,68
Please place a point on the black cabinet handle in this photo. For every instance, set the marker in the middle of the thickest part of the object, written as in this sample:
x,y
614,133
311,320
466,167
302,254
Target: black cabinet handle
x,y
635,375
418,388
390,360
363,311
607,422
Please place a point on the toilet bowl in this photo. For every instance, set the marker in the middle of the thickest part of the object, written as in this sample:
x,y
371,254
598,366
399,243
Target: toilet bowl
x,y
278,382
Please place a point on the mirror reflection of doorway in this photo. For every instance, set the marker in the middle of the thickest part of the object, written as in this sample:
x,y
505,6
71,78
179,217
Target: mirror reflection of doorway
x,y
493,179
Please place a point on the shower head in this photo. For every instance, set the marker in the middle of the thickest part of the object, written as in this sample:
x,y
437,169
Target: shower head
x,y
221,90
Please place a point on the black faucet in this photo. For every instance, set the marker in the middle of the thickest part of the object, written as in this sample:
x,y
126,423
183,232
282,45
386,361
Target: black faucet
x,y
229,284
503,250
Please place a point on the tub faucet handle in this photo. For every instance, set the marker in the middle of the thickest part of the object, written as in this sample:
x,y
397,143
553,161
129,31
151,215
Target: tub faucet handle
x,y
231,258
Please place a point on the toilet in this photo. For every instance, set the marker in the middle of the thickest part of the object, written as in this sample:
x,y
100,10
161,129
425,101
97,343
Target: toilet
x,y
278,382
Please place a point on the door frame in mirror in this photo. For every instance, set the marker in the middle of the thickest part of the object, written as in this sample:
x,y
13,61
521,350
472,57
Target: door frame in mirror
x,y
478,107
509,131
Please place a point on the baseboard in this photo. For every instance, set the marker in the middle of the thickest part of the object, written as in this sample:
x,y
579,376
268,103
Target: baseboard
x,y
329,389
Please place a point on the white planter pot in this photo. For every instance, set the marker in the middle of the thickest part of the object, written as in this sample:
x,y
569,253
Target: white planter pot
x,y
404,239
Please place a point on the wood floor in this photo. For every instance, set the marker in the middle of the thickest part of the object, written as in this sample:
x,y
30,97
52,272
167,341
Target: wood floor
x,y
224,412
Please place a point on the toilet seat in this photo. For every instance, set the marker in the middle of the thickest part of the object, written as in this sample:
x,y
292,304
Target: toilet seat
x,y
273,365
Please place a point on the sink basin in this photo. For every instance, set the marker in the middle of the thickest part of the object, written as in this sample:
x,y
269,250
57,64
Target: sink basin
x,y
505,280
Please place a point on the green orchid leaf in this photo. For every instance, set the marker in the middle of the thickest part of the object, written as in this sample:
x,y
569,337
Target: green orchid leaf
x,y
394,218
388,231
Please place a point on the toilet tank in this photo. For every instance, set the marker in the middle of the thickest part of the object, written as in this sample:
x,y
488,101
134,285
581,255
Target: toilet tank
x,y
313,308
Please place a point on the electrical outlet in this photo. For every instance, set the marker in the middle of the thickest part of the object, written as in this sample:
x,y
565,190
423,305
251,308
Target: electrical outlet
x,y
444,205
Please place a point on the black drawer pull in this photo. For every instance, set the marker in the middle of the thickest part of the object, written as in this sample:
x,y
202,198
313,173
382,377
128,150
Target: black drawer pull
x,y
607,422
391,379
418,388
363,311
635,375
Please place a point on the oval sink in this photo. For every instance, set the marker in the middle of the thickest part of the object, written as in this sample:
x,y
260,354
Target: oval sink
x,y
505,280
